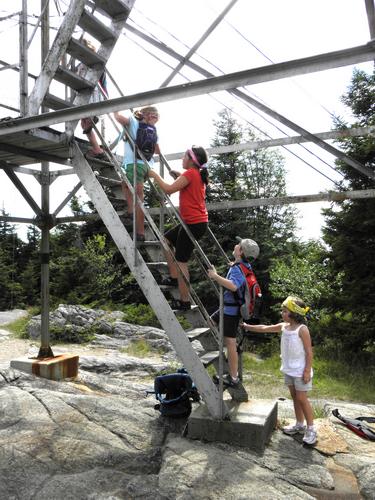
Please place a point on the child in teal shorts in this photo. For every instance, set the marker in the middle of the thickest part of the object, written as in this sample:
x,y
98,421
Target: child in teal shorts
x,y
148,115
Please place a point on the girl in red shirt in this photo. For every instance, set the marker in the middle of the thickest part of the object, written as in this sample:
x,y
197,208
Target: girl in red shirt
x,y
191,185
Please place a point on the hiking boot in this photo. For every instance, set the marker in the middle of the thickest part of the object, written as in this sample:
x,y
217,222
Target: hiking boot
x,y
140,238
169,281
310,436
180,305
293,429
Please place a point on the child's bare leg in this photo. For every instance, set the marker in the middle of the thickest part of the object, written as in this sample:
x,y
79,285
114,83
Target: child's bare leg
x,y
128,197
94,142
170,261
297,407
140,215
182,286
231,346
305,406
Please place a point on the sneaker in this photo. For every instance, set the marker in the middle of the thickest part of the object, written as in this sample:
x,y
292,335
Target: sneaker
x,y
294,429
228,381
180,305
310,436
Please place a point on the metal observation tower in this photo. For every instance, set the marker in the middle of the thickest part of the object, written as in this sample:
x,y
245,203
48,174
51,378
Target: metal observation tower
x,y
31,138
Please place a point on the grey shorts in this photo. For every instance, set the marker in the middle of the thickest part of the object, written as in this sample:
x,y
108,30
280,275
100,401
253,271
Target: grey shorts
x,y
297,383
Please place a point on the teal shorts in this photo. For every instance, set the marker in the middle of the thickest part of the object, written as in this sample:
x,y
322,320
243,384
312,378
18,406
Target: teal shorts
x,y
141,172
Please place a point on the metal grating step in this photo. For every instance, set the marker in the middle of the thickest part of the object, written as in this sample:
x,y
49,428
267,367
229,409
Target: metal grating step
x,y
54,102
72,80
209,357
79,51
116,9
96,28
196,333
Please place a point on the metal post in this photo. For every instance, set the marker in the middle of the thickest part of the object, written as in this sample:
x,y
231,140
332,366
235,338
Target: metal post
x,y
23,61
162,204
135,205
221,346
45,350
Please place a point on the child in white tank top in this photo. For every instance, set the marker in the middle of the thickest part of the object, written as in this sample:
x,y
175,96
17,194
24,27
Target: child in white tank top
x,y
296,363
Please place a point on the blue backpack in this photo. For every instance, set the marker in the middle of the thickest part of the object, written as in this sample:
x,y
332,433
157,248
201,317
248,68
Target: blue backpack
x,y
146,140
175,392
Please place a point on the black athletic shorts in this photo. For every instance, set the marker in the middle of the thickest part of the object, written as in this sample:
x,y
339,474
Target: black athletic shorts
x,y
181,241
230,323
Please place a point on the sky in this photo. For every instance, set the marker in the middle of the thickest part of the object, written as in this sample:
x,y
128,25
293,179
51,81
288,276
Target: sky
x,y
252,34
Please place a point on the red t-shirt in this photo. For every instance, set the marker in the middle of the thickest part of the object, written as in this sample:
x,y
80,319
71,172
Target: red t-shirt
x,y
192,198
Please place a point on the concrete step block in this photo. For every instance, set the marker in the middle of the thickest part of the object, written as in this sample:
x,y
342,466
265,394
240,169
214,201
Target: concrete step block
x,y
250,424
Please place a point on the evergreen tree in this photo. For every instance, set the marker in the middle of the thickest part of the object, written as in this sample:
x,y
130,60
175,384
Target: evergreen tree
x,y
29,267
11,294
350,232
246,175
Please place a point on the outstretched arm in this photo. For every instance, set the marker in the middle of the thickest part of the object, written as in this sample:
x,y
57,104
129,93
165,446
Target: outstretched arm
x,y
177,185
121,118
221,280
263,328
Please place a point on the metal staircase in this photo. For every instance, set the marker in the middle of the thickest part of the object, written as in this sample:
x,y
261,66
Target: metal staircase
x,y
89,17
180,339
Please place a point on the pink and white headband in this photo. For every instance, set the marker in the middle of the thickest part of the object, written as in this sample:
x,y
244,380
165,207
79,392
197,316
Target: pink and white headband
x,y
195,159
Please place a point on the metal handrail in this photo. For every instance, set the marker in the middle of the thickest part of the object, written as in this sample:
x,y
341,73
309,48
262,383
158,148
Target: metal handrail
x,y
154,227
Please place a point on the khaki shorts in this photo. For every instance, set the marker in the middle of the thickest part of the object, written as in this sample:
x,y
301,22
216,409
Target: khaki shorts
x,y
141,172
297,383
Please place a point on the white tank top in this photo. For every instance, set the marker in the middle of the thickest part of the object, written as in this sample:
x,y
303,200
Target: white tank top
x,y
293,358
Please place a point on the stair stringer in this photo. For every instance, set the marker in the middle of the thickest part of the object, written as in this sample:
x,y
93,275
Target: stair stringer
x,y
55,55
149,286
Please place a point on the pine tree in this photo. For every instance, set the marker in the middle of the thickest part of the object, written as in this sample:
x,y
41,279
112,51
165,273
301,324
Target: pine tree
x,y
350,232
247,175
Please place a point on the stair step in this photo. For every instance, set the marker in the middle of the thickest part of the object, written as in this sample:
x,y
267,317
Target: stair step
x,y
152,243
196,333
53,102
157,265
114,8
79,51
72,80
95,28
209,357
107,181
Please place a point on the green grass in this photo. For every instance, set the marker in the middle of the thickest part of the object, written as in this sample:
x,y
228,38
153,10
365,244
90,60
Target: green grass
x,y
332,380
140,349
18,327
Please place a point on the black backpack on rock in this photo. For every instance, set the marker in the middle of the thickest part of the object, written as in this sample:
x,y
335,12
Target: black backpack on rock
x,y
175,393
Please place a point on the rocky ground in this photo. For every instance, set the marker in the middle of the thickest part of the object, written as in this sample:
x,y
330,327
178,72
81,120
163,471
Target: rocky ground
x,y
99,437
